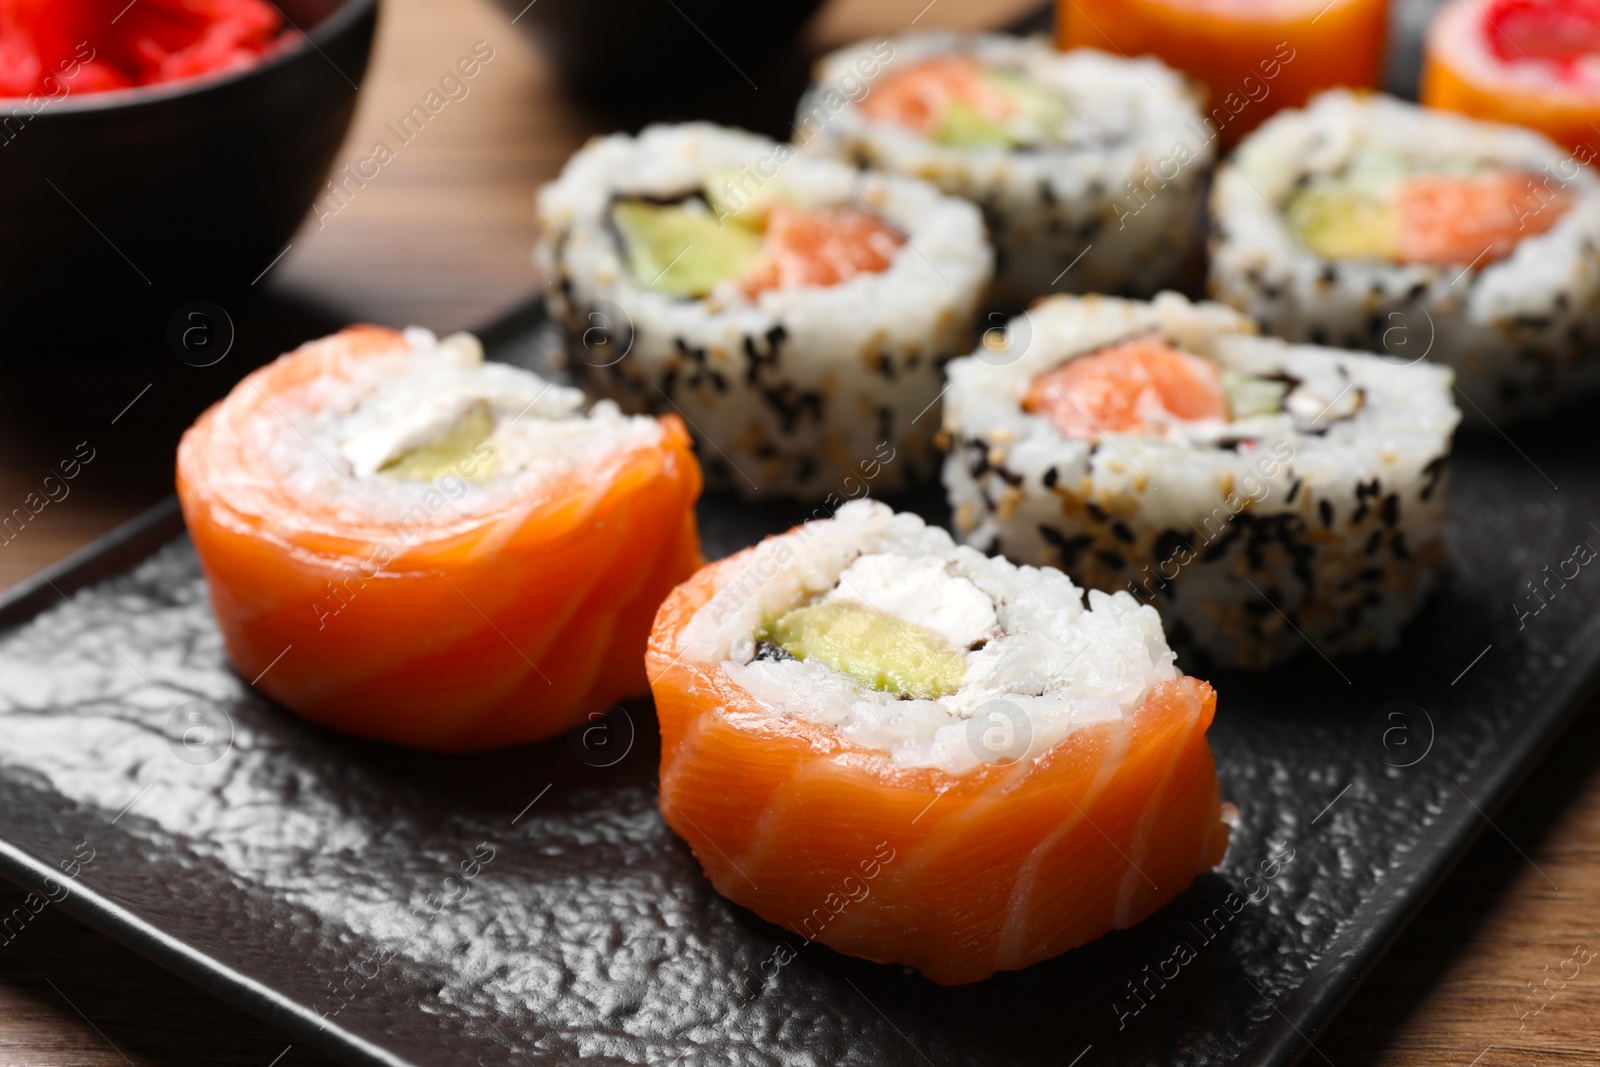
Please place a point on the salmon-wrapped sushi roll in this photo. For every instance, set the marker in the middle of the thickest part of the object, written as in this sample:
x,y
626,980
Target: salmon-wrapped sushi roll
x,y
1256,56
408,543
915,754
1532,62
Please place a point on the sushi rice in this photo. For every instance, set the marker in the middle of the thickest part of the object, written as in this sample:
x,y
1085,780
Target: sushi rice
x,y
352,438
791,391
1119,180
1035,662
1316,517
1520,331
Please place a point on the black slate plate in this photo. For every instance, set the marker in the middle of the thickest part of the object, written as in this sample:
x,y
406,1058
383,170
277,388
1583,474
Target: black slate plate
x,y
529,906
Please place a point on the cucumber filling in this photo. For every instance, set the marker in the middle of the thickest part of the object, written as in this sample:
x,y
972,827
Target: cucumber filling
x,y
1249,396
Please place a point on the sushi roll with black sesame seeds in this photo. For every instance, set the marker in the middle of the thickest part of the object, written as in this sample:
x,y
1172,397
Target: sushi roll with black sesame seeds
x,y
796,312
1081,160
1265,497
1367,222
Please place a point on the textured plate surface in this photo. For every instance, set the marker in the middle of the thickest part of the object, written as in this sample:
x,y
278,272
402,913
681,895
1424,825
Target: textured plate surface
x,y
530,906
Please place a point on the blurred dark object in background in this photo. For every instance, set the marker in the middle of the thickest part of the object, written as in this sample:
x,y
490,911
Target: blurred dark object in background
x,y
1408,22
125,199
611,52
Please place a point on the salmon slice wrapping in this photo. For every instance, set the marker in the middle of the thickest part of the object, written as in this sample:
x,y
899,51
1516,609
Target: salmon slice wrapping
x,y
944,857
394,549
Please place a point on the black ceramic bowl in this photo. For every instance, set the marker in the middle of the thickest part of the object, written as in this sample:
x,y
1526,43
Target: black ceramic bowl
x,y
192,187
611,49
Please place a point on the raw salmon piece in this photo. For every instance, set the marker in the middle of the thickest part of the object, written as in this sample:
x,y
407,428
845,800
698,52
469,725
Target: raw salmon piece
x,y
462,634
959,876
1475,219
820,246
1127,388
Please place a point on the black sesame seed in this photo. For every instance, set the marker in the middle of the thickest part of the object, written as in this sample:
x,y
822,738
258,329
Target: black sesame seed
x,y
1216,551
1168,543
772,653
1068,547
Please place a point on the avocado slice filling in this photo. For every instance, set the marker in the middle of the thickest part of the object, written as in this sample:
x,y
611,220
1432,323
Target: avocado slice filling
x,y
1038,115
741,197
452,453
1346,223
1353,215
682,249
878,650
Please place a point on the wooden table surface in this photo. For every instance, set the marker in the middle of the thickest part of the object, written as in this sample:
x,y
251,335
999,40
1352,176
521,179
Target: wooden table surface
x,y
440,240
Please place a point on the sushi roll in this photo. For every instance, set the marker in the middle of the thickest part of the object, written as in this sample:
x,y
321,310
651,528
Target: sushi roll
x,y
1370,223
1255,56
1265,497
1090,168
405,542
1535,63
795,312
894,746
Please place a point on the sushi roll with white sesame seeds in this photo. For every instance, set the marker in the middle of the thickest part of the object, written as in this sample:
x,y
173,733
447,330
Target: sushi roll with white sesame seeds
x,y
796,312
1265,497
1371,223
1080,160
